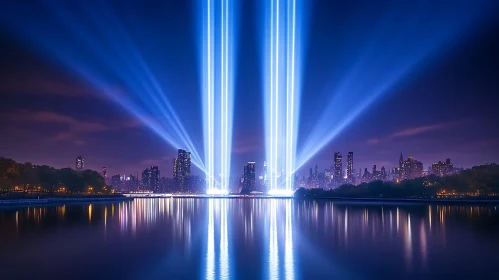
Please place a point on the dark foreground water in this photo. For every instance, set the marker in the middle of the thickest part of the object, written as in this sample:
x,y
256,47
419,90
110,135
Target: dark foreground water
x,y
248,239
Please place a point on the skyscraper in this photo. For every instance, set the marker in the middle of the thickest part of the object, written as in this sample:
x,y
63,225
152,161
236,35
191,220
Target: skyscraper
x,y
145,184
80,163
104,172
338,166
136,183
411,168
249,176
442,168
154,179
116,181
182,169
350,175
150,179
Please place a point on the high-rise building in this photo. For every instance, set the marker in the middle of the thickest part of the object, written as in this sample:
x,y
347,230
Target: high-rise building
x,y
401,163
154,179
350,175
366,177
182,169
145,183
442,168
80,163
328,176
150,179
338,166
411,169
116,181
249,176
133,182
104,172
136,184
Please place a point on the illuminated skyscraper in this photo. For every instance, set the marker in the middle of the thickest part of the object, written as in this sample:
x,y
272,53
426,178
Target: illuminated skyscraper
x,y
136,183
154,179
350,175
182,169
411,168
150,179
338,166
383,173
249,176
145,185
116,181
80,163
442,168
104,172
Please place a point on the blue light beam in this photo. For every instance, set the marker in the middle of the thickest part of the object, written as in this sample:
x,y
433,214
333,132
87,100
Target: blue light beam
x,y
401,44
106,57
217,64
282,91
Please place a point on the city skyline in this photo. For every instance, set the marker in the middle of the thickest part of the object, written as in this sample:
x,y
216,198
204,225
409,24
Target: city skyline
x,y
444,110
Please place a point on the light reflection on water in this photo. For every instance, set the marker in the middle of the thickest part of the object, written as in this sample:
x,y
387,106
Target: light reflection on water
x,y
250,239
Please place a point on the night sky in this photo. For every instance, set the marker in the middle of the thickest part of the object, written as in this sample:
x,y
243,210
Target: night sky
x,y
443,106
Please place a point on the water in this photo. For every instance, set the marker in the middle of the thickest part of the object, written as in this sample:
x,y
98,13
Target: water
x,y
248,239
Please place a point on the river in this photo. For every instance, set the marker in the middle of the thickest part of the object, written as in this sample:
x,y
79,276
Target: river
x,y
188,238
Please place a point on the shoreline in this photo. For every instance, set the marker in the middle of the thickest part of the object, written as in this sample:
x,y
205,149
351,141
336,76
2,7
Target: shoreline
x,y
367,200
45,201
356,200
405,200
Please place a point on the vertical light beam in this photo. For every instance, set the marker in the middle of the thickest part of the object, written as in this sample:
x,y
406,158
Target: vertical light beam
x,y
281,97
218,97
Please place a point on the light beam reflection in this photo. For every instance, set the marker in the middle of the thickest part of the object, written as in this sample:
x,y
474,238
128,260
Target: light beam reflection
x,y
281,248
210,250
217,257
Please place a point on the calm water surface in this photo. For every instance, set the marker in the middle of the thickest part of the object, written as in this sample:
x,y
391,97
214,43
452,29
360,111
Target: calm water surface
x,y
248,239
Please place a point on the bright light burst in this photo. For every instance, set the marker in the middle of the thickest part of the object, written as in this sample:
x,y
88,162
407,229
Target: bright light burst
x,y
396,46
277,192
93,43
217,192
281,93
217,68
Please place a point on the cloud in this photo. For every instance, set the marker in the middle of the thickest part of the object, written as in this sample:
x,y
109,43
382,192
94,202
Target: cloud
x,y
72,128
154,161
44,85
419,130
412,131
373,141
73,124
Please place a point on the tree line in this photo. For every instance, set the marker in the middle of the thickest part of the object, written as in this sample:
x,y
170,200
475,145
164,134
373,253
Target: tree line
x,y
480,180
43,178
